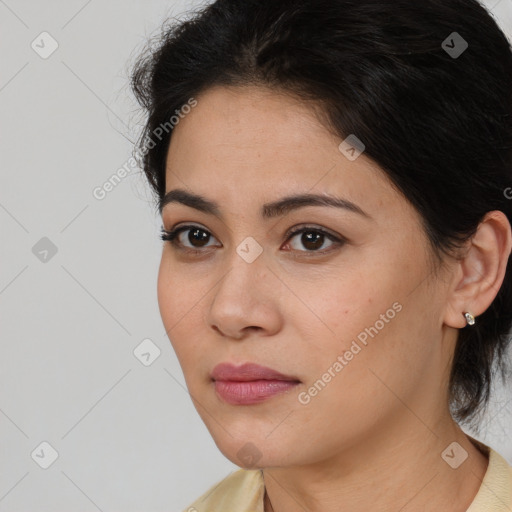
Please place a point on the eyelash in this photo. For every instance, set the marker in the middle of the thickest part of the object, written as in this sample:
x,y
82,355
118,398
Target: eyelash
x,y
172,237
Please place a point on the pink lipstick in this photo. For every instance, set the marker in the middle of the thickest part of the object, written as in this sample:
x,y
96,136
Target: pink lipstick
x,y
249,383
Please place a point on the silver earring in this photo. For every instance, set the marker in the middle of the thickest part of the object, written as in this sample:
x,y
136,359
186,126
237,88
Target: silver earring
x,y
470,319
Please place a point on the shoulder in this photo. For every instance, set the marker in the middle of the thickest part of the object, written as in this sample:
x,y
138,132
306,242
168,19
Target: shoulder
x,y
495,493
240,491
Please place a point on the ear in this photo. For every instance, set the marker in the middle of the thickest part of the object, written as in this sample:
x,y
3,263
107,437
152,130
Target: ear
x,y
479,274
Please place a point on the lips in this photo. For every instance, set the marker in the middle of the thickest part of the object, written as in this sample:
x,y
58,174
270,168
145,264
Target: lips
x,y
249,383
248,372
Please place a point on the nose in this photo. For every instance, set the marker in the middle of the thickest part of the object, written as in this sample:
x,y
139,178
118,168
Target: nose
x,y
245,300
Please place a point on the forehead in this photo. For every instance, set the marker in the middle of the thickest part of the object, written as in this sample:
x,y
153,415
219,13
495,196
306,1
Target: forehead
x,y
248,143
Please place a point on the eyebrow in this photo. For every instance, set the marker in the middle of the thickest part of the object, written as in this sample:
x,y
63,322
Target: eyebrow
x,y
268,210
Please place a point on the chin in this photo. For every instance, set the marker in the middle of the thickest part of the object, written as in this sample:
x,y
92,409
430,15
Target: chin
x,y
254,450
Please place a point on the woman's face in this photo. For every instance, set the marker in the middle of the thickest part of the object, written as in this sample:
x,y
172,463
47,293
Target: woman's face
x,y
357,322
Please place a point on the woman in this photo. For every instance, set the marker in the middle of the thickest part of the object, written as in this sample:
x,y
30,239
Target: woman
x,y
334,179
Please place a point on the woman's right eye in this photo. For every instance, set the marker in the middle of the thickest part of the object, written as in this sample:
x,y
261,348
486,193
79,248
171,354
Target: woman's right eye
x,y
196,235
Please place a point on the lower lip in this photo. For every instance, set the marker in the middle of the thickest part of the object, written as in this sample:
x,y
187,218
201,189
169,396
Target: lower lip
x,y
251,392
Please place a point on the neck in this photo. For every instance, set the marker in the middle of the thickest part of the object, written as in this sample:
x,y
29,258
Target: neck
x,y
398,470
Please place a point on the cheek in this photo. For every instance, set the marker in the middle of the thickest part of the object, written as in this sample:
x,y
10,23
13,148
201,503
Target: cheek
x,y
384,350
350,303
182,294
370,321
178,292
167,285
176,300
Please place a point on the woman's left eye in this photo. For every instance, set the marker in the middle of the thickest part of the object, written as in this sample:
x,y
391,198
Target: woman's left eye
x,y
312,238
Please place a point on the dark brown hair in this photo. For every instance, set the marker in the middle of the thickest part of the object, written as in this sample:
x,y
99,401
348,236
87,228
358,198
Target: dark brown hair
x,y
438,124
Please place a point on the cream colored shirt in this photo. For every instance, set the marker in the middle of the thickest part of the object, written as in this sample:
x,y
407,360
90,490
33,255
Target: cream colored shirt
x,y
243,490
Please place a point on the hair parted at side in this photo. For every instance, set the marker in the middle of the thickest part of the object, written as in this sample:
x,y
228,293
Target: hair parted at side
x,y
439,125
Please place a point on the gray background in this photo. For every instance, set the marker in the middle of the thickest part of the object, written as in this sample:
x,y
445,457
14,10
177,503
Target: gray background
x,y
127,435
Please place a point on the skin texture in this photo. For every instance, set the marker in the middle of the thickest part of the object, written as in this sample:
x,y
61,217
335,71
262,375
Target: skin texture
x,y
376,431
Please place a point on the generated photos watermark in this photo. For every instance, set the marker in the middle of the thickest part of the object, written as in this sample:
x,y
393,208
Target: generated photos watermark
x,y
342,360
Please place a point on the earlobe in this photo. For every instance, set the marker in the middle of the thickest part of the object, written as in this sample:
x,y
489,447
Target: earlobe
x,y
481,271
470,319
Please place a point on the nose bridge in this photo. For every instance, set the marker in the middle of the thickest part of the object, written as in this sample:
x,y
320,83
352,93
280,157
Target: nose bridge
x,y
242,288
247,264
246,254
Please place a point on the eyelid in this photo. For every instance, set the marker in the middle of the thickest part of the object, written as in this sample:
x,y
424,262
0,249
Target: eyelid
x,y
172,235
175,231
292,231
304,227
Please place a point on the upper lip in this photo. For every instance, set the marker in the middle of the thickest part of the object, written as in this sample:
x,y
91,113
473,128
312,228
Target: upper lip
x,y
247,372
